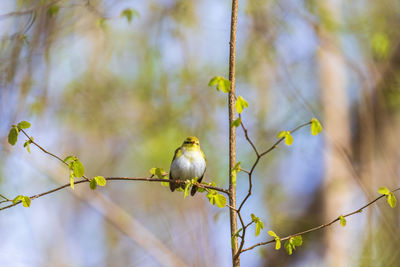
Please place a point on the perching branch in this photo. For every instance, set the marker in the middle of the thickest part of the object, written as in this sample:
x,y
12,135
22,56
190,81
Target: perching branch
x,y
320,226
86,179
114,179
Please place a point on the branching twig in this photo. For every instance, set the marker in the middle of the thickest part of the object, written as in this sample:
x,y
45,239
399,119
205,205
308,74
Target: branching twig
x,y
275,145
320,226
250,175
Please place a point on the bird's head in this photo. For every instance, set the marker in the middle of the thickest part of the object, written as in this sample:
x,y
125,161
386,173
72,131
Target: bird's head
x,y
191,142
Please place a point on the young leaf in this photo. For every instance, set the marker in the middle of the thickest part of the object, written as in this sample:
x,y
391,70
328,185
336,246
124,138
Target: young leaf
x,y
212,195
26,144
391,199
289,248
160,173
93,184
259,226
13,136
277,239
234,237
17,198
297,241
342,221
100,180
186,191
71,180
383,190
316,126
70,158
272,233
241,104
220,201
26,201
288,137
23,125
222,84
236,123
78,169
235,170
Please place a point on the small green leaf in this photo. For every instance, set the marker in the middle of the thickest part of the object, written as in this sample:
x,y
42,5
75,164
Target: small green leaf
x,y
13,136
186,191
153,171
316,126
71,180
93,184
23,125
78,169
212,196
297,241
26,144
100,180
17,198
277,243
129,14
258,222
281,134
222,84
220,201
288,139
236,168
160,173
236,123
241,104
70,158
272,233
289,248
234,237
287,135
383,190
26,201
391,199
53,10
342,221
277,239
259,226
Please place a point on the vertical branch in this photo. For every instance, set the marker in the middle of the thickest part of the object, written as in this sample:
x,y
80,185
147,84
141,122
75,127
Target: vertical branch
x,y
232,132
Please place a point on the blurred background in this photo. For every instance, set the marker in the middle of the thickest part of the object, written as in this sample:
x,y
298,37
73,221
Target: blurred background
x,y
122,94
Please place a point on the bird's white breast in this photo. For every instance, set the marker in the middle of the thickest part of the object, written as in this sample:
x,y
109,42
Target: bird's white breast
x,y
188,166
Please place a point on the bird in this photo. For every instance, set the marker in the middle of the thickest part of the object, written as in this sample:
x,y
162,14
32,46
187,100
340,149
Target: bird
x,y
189,162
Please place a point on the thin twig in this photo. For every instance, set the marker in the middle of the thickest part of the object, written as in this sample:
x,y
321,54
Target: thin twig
x,y
275,145
49,153
117,179
320,226
247,136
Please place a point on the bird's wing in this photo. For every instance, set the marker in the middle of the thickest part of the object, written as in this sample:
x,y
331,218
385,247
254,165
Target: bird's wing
x,y
194,188
177,154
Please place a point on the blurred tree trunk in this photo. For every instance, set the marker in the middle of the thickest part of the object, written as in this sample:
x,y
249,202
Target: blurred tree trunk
x,y
337,181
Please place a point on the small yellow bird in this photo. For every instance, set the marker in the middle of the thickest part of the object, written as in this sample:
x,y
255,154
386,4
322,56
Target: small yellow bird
x,y
189,162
